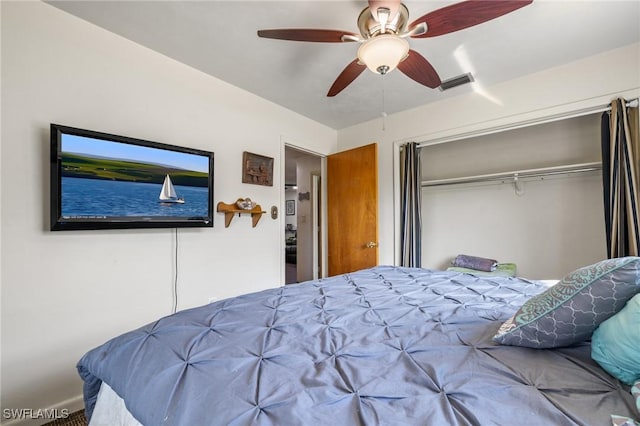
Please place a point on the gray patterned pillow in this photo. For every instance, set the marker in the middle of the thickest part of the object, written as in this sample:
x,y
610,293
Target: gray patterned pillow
x,y
571,310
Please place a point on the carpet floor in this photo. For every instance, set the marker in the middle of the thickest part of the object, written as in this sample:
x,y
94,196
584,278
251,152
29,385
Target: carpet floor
x,y
75,419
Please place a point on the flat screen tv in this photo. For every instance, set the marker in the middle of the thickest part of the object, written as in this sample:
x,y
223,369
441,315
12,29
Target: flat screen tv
x,y
104,181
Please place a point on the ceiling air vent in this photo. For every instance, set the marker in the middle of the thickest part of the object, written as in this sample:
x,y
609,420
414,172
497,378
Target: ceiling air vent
x,y
456,81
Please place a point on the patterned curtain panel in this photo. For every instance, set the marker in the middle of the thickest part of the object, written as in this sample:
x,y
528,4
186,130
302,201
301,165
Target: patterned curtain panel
x,y
410,205
620,173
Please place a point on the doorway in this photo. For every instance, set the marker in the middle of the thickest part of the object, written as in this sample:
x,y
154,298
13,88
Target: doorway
x,y
303,204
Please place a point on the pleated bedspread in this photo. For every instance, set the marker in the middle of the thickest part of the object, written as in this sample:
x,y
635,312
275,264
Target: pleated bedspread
x,y
382,346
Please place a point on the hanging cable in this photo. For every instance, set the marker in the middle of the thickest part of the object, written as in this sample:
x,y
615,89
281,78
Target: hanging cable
x,y
175,277
384,112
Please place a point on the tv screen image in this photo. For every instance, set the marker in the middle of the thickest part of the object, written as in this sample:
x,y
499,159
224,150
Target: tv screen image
x,y
101,181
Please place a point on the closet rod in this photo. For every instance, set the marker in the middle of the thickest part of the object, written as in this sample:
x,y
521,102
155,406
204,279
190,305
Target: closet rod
x,y
515,175
633,103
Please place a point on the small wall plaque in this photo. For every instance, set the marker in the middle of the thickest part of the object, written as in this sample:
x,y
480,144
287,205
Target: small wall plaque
x,y
257,169
304,196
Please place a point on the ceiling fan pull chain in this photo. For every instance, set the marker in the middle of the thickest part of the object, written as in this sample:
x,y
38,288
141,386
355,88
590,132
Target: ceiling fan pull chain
x,y
384,112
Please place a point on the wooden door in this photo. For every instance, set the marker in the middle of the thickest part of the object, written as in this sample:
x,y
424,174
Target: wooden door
x,y
352,210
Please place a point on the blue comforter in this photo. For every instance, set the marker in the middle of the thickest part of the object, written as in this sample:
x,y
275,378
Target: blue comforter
x,y
383,346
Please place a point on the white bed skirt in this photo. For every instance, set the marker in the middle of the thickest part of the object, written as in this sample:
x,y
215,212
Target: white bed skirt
x,y
110,410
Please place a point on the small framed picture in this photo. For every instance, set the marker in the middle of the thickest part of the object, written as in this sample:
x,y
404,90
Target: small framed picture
x,y
257,169
291,207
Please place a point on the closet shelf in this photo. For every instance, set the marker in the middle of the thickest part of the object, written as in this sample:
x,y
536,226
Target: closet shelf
x,y
230,210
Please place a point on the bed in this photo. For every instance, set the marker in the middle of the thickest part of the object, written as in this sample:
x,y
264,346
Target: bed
x,y
382,346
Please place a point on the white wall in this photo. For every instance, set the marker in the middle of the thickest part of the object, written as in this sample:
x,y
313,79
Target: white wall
x,y
66,292
582,84
556,226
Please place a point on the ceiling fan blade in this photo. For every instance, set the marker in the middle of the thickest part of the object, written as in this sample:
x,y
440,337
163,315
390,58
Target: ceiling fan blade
x,y
348,74
308,34
465,14
416,67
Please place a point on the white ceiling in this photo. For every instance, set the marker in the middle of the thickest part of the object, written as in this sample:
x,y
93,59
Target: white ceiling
x,y
219,38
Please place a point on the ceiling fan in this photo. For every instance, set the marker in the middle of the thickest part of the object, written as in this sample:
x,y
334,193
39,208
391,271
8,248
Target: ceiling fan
x,y
384,32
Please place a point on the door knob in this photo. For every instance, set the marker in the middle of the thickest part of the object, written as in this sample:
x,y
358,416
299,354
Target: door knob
x,y
371,244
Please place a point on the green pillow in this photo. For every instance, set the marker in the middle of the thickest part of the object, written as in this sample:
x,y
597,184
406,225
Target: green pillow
x,y
615,344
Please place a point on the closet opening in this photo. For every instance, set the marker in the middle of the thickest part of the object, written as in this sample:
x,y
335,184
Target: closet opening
x,y
531,196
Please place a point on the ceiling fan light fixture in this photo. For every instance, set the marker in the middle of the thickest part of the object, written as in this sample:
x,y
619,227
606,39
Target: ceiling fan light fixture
x,y
383,53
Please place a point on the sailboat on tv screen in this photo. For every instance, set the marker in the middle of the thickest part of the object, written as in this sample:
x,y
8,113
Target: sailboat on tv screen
x,y
168,193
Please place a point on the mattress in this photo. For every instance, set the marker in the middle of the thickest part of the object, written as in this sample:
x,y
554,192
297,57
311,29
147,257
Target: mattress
x,y
386,345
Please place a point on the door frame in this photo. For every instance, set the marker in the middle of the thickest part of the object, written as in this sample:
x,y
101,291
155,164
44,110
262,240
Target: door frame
x,y
316,222
322,254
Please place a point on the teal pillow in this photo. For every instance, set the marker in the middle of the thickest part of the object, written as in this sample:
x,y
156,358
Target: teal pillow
x,y
615,344
570,311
